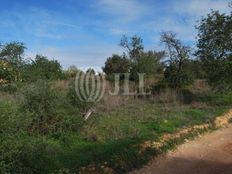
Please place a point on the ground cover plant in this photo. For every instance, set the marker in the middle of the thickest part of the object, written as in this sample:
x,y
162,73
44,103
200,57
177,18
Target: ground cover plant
x,y
43,128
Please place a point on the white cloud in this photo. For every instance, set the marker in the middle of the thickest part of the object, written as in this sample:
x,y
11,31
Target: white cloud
x,y
120,31
37,22
81,56
183,16
200,7
107,18
123,10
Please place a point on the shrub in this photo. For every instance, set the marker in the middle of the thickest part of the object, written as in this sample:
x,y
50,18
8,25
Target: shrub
x,y
75,101
40,98
9,149
23,154
41,101
39,156
10,88
177,79
7,72
42,68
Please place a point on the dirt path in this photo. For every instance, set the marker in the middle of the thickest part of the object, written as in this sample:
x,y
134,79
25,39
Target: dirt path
x,y
210,154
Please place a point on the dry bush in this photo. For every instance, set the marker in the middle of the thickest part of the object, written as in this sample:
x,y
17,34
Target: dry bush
x,y
199,105
165,96
61,84
109,102
200,86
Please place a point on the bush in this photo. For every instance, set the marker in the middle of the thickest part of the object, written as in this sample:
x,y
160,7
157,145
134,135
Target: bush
x,y
39,156
10,88
7,72
75,101
23,154
40,100
48,112
159,87
177,79
42,68
9,149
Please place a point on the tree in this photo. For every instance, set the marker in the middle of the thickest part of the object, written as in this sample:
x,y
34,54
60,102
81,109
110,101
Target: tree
x,y
176,75
215,49
7,74
116,64
140,61
42,68
91,71
133,45
73,68
195,67
72,71
12,53
150,62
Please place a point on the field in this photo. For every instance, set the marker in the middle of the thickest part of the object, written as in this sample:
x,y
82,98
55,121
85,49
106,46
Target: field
x,y
104,87
108,142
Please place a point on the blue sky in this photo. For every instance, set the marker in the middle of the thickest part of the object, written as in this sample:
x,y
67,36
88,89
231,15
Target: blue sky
x,y
85,32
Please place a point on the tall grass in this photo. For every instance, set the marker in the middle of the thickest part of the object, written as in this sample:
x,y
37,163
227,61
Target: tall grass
x,y
42,131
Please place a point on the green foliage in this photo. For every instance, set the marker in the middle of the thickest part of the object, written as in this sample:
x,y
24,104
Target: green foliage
x,y
177,79
9,150
12,53
39,156
41,101
39,98
133,45
150,62
75,100
42,68
165,126
46,133
47,111
176,74
71,72
116,64
7,72
24,154
195,68
135,60
215,47
10,88
117,134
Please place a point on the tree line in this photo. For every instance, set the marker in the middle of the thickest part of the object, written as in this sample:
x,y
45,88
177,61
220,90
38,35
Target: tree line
x,y
175,67
178,65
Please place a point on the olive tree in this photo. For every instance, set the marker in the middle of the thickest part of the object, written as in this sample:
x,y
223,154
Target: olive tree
x,y
176,75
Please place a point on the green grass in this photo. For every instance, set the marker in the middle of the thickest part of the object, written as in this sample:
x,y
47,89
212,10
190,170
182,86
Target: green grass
x,y
113,136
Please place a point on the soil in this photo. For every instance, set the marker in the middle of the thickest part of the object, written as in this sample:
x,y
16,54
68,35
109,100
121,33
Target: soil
x,y
209,154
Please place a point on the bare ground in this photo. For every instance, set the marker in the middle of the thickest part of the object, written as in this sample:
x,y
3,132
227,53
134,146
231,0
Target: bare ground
x,y
209,154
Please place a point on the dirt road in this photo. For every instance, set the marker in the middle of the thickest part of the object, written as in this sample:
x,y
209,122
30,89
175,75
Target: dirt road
x,y
210,154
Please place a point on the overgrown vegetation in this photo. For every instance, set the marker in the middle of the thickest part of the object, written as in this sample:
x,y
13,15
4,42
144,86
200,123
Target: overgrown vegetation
x,y
214,49
42,129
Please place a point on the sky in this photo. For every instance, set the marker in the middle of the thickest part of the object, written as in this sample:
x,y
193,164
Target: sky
x,y
85,33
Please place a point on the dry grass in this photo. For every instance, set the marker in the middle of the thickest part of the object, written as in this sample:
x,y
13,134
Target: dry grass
x,y
61,84
200,86
165,96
